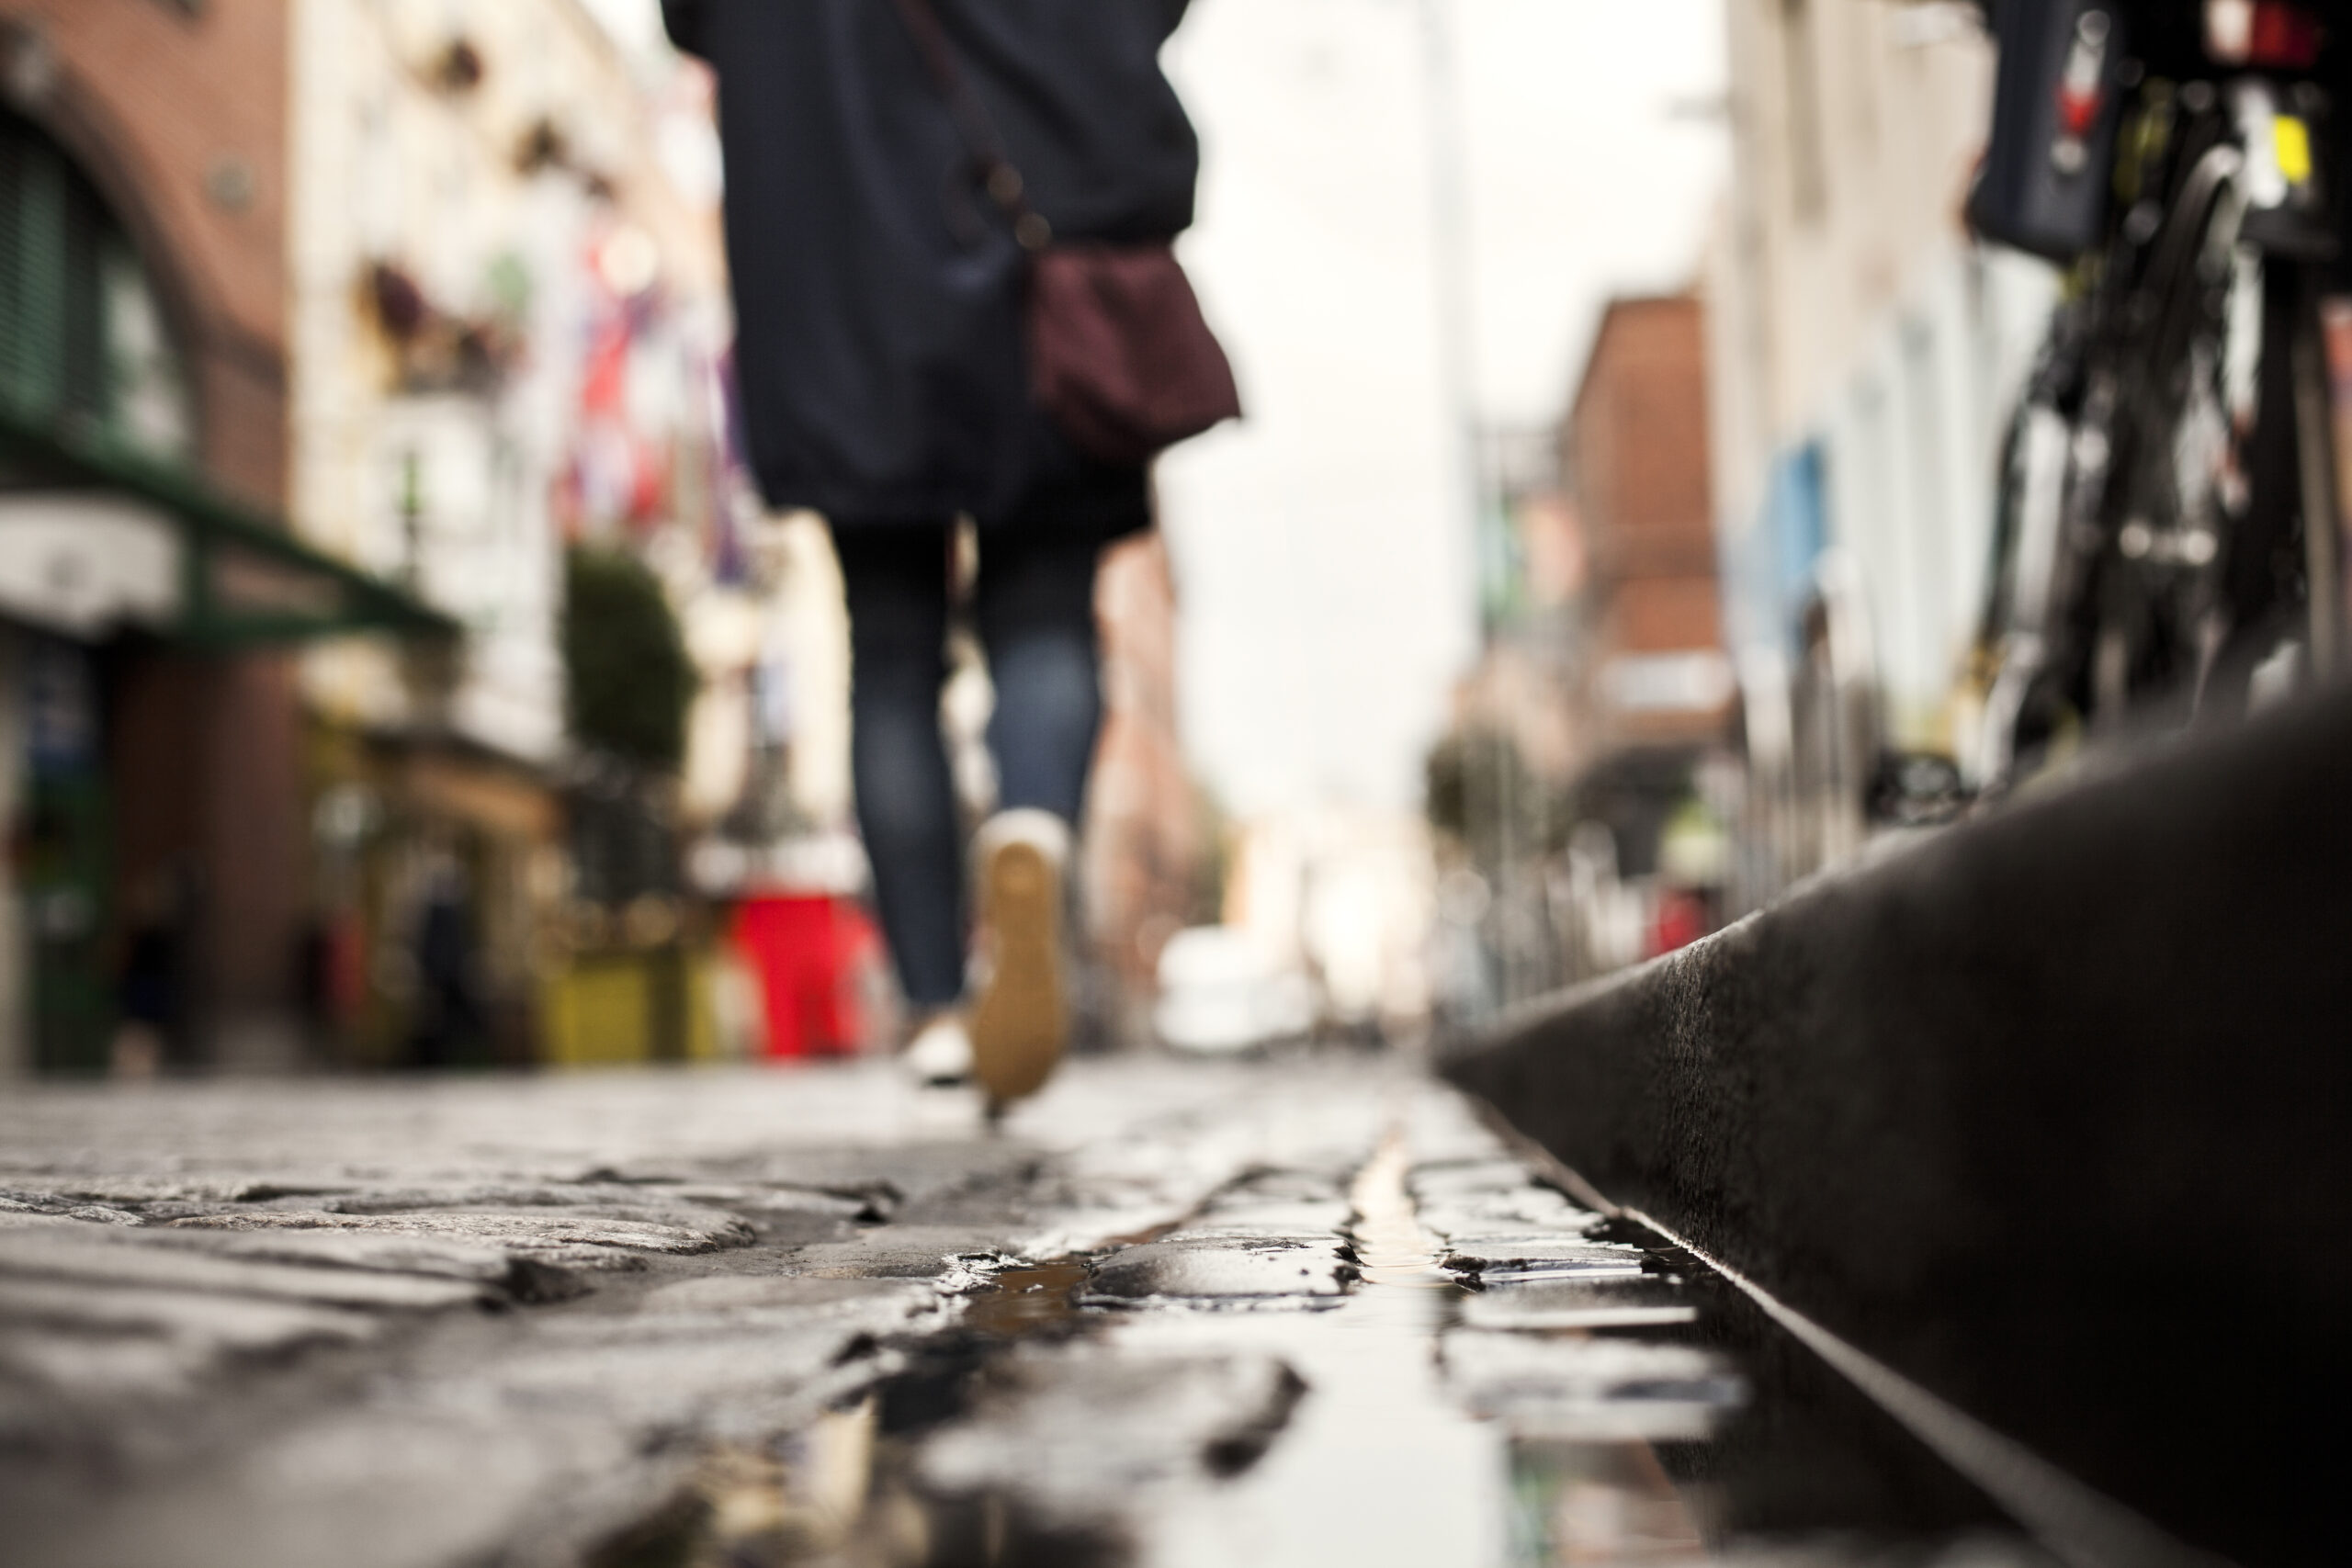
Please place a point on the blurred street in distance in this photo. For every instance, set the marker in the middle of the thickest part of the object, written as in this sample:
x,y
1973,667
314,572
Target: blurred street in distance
x,y
529,741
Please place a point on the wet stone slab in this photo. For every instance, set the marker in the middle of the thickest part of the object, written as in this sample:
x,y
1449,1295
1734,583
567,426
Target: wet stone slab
x,y
198,1321
498,1322
1596,1390
586,1237
907,1252
1522,1258
108,1258
1174,1313
1076,1432
1615,1301
1302,1220
1222,1268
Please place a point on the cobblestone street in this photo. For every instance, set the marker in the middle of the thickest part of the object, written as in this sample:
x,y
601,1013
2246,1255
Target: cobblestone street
x,y
1278,1315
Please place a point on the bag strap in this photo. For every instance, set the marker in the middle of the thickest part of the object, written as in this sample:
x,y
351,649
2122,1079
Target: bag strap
x,y
997,174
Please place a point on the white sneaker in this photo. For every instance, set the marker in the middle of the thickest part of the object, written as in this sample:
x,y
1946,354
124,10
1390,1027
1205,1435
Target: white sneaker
x,y
940,1054
1021,1022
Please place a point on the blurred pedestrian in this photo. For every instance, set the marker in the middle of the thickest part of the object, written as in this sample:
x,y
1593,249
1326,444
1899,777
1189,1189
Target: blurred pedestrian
x,y
910,184
445,1023
152,1030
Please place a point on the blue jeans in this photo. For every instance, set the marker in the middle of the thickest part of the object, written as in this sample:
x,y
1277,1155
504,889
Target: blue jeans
x,y
1034,605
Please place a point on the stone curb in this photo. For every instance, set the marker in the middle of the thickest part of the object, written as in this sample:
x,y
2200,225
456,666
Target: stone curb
x,y
2047,1112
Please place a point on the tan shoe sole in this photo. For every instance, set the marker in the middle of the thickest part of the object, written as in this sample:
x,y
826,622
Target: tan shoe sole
x,y
1021,1022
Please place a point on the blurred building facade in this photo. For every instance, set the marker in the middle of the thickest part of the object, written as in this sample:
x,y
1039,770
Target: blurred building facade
x,y
334,336
1581,782
1635,450
1863,355
508,327
1644,866
1498,779
153,760
329,331
1143,858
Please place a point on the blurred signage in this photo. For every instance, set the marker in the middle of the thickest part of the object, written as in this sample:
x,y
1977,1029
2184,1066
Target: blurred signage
x,y
247,582
1695,680
83,564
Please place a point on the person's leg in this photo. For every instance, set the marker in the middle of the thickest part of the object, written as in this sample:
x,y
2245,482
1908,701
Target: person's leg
x,y
1035,611
896,579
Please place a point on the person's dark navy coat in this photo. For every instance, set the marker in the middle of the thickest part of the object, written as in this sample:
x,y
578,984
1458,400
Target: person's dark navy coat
x,y
878,294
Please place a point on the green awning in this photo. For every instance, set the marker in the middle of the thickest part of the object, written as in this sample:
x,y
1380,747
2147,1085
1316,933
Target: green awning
x,y
95,535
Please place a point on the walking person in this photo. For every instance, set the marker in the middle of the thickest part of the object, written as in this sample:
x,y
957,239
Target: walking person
x,y
911,185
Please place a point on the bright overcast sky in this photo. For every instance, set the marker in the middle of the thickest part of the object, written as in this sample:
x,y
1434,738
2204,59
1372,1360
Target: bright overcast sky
x,y
1322,554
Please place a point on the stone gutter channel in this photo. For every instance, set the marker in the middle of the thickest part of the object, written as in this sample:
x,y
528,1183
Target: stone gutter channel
x,y
1284,1315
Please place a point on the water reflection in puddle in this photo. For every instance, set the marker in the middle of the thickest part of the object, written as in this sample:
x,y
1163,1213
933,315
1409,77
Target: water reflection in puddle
x,y
1029,1301
1580,1396
1577,1502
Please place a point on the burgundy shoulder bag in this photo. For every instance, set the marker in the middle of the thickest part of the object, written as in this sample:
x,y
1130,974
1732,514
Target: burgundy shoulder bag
x,y
1120,354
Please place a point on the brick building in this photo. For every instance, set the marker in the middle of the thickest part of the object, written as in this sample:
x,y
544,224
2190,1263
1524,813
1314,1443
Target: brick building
x,y
147,586
1635,450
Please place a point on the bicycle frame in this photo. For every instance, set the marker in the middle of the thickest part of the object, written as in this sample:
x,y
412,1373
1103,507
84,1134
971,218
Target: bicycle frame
x,y
2171,533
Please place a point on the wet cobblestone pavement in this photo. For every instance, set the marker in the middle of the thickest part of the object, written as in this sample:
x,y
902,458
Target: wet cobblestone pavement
x,y
1174,1315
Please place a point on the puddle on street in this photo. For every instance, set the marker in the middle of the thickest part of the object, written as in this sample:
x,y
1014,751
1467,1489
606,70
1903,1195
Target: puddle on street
x,y
1034,1300
1543,1410
1586,1503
